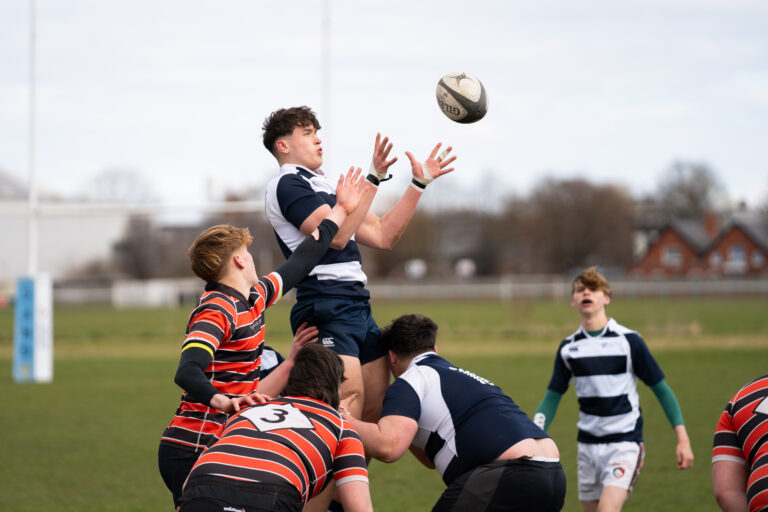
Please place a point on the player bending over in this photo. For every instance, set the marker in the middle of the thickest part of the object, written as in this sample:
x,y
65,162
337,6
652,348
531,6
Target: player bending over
x,y
277,455
489,453
604,360
221,355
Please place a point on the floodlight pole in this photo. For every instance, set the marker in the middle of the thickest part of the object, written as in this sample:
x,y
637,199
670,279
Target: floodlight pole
x,y
32,192
326,74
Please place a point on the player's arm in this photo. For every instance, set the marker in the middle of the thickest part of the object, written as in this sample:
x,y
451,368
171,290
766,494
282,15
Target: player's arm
x,y
388,439
729,483
384,232
669,403
421,455
355,496
546,410
274,383
367,188
309,252
190,376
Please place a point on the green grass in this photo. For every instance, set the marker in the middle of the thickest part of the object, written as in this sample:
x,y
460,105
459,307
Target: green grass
x,y
88,441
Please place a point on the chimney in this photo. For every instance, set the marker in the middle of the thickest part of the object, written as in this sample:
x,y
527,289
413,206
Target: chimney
x,y
711,224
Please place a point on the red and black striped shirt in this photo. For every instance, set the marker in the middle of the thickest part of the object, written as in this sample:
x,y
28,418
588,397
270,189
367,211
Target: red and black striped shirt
x,y
231,328
742,436
298,441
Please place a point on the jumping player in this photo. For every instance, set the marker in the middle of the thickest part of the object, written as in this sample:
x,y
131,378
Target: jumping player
x,y
604,360
740,451
221,355
488,452
333,297
277,455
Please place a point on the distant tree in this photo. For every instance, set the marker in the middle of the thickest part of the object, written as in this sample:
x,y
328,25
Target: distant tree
x,y
573,223
688,190
418,241
119,185
136,254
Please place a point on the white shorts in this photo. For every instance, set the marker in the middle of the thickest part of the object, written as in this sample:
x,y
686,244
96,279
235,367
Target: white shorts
x,y
614,464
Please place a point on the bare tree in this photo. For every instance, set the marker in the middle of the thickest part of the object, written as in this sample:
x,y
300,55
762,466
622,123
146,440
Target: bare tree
x,y
573,223
688,190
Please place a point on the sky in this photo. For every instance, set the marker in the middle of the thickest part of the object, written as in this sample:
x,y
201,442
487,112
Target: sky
x,y
176,91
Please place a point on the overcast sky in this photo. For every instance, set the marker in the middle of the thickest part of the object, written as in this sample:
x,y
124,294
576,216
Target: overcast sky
x,y
177,90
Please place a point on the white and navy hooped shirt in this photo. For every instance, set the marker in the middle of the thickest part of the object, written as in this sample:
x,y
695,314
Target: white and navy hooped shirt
x,y
605,369
291,197
464,420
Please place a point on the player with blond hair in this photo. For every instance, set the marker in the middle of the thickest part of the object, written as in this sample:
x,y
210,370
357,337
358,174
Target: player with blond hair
x,y
604,360
219,368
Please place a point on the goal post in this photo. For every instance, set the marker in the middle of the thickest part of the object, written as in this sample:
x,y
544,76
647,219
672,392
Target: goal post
x,y
33,330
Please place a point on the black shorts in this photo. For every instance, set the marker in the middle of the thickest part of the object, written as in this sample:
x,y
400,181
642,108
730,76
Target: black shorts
x,y
215,493
507,485
175,464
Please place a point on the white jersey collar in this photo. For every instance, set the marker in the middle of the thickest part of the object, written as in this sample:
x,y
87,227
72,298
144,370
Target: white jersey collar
x,y
290,168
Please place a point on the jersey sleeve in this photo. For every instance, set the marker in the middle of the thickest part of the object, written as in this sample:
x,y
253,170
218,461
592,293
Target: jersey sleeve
x,y
645,366
211,323
726,444
270,287
349,460
296,198
561,374
401,400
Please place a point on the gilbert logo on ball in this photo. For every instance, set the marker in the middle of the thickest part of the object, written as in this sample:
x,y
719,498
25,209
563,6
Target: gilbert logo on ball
x,y
462,97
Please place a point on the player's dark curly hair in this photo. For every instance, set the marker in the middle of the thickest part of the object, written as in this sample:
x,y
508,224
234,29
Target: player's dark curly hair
x,y
282,122
317,373
409,335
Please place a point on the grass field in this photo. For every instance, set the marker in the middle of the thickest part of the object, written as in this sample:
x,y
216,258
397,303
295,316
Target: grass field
x,y
88,441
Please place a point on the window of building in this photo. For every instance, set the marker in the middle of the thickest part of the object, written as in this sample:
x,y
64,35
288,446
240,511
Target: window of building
x,y
737,253
758,259
672,256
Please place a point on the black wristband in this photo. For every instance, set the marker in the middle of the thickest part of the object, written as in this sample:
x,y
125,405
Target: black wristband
x,y
373,179
420,185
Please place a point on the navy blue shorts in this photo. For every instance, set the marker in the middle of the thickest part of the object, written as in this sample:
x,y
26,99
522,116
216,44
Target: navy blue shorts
x,y
346,325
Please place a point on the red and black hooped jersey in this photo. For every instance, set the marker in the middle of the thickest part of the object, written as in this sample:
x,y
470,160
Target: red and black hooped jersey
x,y
295,440
231,328
742,436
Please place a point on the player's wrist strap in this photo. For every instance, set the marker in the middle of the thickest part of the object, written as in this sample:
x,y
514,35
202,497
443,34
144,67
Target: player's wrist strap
x,y
375,179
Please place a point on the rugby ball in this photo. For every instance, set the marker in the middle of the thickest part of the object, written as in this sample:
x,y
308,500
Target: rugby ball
x,y
462,97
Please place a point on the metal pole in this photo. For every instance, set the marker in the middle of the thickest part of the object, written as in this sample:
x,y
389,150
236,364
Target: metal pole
x,y
326,77
32,214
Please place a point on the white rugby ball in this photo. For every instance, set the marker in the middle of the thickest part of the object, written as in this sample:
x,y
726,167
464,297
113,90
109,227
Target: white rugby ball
x,y
462,97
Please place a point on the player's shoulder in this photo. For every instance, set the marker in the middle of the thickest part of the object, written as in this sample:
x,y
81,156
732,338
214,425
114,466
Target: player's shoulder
x,y
622,330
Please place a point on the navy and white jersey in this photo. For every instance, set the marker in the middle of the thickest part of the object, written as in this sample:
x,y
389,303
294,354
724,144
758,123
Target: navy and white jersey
x,y
291,197
270,359
605,369
464,420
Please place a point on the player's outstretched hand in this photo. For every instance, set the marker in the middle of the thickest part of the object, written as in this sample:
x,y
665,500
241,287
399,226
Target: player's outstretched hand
x,y
380,165
348,190
434,166
304,335
684,455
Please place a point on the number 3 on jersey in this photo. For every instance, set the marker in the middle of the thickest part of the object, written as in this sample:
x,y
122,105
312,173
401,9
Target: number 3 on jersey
x,y
276,416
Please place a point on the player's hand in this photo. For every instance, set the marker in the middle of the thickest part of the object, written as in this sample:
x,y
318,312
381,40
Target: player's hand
x,y
229,405
304,335
345,403
348,190
434,166
684,455
380,164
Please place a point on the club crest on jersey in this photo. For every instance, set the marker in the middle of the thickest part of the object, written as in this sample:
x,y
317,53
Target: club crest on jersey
x,y
618,472
328,342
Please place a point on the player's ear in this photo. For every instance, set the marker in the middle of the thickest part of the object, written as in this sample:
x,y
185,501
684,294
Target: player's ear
x,y
607,300
282,147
